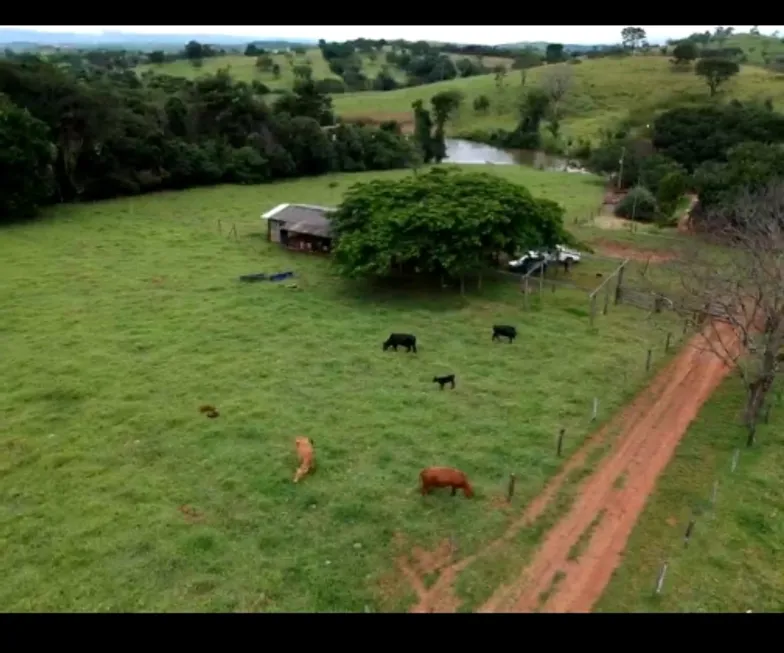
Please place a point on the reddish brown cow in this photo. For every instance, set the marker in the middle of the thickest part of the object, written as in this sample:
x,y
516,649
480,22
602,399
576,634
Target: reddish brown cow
x,y
432,477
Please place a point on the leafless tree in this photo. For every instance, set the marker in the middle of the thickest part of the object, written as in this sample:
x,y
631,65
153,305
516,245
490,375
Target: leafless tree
x,y
557,81
743,284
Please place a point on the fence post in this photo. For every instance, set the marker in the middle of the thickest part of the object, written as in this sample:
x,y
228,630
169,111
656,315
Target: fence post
x,y
619,286
220,228
735,457
595,408
606,299
593,308
667,344
559,445
510,489
648,360
525,291
660,579
541,278
689,530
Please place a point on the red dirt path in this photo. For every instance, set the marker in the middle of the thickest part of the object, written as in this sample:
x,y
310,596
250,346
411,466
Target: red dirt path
x,y
650,428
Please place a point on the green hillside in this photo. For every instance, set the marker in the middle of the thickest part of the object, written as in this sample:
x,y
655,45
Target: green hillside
x,y
244,68
602,91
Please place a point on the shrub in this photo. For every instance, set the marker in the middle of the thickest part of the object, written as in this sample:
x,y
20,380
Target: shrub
x,y
671,188
639,204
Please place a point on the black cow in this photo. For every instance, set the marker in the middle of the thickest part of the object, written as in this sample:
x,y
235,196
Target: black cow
x,y
443,380
504,330
396,340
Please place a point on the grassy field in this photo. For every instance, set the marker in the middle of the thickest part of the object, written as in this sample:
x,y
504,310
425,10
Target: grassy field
x,y
603,92
244,68
122,317
733,560
756,46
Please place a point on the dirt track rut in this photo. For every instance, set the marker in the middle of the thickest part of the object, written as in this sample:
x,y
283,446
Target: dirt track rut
x,y
608,502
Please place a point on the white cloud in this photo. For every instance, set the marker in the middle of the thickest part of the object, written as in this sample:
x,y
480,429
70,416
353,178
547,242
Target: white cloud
x,y
490,34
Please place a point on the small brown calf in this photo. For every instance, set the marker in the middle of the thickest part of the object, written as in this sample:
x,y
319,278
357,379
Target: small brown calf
x,y
432,477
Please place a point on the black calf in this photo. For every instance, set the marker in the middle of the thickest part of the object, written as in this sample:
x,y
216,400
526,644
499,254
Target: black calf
x,y
502,330
443,380
396,340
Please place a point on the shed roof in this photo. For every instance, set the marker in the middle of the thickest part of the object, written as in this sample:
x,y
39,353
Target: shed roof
x,y
302,218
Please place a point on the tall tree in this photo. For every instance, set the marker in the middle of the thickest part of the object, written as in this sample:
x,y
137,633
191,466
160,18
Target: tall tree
x,y
26,155
746,288
442,223
631,37
716,72
423,131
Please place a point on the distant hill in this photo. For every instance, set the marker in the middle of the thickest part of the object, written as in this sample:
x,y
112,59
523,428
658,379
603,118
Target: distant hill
x,y
542,45
21,39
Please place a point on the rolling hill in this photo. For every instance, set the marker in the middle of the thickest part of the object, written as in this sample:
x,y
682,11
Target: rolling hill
x,y
244,68
602,91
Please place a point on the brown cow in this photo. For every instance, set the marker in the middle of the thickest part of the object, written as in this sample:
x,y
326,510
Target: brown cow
x,y
432,477
305,454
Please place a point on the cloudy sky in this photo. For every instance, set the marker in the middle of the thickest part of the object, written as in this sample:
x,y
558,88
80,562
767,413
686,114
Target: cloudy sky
x,y
489,34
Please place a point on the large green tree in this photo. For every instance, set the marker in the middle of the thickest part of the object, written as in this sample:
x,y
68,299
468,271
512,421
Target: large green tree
x,y
445,222
715,72
26,178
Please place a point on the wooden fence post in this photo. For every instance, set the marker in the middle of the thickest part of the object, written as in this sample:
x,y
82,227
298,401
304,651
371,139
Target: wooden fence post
x,y
660,579
735,457
648,360
606,300
559,445
595,408
667,344
510,489
619,286
541,278
593,308
525,291
689,530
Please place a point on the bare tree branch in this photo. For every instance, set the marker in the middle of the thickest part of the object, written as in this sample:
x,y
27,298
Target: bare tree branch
x,y
738,278
557,81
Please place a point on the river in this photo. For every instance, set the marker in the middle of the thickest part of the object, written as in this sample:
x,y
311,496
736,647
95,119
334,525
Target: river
x,y
462,151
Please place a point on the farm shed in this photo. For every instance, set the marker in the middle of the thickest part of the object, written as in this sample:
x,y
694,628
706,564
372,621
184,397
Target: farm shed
x,y
301,227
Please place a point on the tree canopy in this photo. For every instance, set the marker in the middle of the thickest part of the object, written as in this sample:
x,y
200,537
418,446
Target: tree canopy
x,y
86,133
442,222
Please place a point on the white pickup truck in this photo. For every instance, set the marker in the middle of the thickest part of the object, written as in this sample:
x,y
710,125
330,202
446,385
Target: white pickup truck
x,y
561,254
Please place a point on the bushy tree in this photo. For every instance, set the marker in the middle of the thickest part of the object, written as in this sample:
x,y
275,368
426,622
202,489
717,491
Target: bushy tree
x,y
482,104
716,72
693,135
26,179
685,52
638,204
443,222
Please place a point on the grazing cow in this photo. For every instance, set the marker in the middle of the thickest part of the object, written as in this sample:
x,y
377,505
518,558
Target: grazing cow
x,y
443,380
396,340
432,477
306,458
209,411
504,330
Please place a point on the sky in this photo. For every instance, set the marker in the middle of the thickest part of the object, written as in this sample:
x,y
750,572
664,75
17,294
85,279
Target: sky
x,y
480,34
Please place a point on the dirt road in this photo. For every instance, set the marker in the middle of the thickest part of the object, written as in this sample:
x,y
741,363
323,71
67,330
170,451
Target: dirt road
x,y
608,502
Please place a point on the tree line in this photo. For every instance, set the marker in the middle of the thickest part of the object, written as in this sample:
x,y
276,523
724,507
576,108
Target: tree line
x,y
68,136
